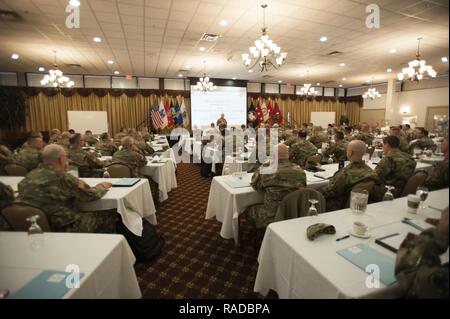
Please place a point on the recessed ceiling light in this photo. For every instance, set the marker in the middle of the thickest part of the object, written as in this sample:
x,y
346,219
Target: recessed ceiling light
x,y
234,78
116,72
97,39
202,49
342,64
302,75
444,59
344,79
367,81
392,51
74,3
110,62
279,81
389,70
180,75
223,23
187,66
14,56
41,69
323,39
250,71
340,85
318,84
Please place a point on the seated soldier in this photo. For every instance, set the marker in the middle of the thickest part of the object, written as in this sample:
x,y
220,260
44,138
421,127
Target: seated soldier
x,y
87,163
130,156
55,136
144,148
318,137
64,140
418,268
404,145
438,178
300,151
291,139
90,139
364,134
146,135
106,145
348,134
54,190
29,156
338,150
122,133
338,190
422,141
287,178
396,167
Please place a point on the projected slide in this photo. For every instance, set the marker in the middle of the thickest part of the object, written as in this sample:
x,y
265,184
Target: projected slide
x,y
207,107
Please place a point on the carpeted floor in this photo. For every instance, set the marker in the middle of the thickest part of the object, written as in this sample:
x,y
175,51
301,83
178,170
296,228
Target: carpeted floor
x,y
196,262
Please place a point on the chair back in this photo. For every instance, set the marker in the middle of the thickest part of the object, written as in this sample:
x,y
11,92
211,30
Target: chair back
x,y
117,170
16,215
413,182
296,204
15,170
314,158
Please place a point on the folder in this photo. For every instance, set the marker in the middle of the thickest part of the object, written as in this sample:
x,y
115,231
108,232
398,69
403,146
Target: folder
x,y
391,242
126,182
47,285
237,183
362,255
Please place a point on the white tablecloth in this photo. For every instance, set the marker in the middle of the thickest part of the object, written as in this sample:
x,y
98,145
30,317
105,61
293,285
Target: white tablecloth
x,y
296,267
132,203
226,203
163,174
105,260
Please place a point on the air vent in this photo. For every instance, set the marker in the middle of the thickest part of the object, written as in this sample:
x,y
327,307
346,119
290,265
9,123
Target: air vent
x,y
73,65
334,53
329,82
9,15
209,37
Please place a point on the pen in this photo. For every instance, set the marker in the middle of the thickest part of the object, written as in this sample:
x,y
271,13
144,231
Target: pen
x,y
347,236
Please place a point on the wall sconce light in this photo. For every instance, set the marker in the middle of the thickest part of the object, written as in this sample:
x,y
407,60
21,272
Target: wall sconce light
x,y
405,110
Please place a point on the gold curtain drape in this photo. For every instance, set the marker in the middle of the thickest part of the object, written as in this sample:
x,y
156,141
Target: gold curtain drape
x,y
300,109
47,112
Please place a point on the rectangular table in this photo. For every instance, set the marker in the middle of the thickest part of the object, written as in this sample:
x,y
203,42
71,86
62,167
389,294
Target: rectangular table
x,y
105,260
132,203
296,267
226,203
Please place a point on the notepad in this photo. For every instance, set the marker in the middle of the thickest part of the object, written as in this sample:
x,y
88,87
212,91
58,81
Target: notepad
x,y
237,183
47,285
391,242
417,224
362,256
324,175
125,182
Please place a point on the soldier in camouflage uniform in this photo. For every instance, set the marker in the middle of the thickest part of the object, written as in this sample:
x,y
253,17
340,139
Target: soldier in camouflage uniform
x,y
338,149
287,178
396,167
375,128
130,156
404,145
89,139
338,190
55,136
54,190
318,137
30,155
348,134
439,175
418,269
64,140
408,132
146,135
364,135
144,148
422,140
291,139
106,146
300,151
87,163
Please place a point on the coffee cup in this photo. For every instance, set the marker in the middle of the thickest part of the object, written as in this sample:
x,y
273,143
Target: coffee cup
x,y
413,203
359,228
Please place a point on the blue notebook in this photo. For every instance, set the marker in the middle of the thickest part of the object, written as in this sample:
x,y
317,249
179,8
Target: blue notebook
x,y
237,183
361,255
125,182
47,285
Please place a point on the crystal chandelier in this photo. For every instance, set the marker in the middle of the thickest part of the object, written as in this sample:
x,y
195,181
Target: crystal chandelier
x,y
417,69
56,78
307,89
266,53
371,93
204,84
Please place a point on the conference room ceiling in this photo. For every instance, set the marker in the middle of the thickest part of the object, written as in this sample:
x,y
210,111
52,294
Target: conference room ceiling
x,y
158,38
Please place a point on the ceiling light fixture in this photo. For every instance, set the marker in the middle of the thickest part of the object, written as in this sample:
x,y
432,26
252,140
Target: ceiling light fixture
x,y
417,69
202,49
340,85
97,39
318,84
342,64
110,62
233,78
393,51
74,3
323,39
389,70
371,93
116,72
180,75
223,23
204,85
41,69
344,79
250,71
307,88
265,53
56,78
444,59
15,56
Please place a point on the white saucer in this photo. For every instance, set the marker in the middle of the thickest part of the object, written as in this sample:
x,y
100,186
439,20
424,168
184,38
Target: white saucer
x,y
366,235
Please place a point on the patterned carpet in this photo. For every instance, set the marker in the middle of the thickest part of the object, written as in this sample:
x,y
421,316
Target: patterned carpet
x,y
196,262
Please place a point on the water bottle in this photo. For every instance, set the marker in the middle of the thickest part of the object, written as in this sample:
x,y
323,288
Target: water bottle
x,y
106,174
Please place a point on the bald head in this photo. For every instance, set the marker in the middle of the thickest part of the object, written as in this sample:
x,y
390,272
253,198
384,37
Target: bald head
x,y
52,153
356,150
127,142
282,151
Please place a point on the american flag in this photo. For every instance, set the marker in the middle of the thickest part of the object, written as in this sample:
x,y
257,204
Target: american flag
x,y
156,117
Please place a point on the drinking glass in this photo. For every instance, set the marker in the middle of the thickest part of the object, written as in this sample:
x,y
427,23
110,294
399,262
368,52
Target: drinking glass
x,y
358,201
35,233
388,195
312,211
422,192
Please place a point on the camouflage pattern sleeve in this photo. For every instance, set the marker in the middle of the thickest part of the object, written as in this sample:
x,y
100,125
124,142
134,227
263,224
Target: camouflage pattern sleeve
x,y
72,186
336,185
141,160
418,266
6,192
439,176
383,168
257,181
